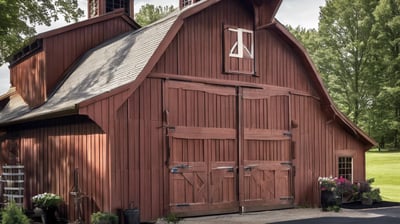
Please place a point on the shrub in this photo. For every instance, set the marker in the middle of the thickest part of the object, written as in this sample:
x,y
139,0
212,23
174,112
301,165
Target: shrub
x,y
103,218
172,218
12,214
367,194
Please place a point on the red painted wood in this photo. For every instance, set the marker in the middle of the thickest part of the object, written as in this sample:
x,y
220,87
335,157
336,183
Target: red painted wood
x,y
37,76
123,158
28,78
202,147
51,150
267,171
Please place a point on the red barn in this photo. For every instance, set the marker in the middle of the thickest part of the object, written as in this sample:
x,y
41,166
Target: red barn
x,y
216,108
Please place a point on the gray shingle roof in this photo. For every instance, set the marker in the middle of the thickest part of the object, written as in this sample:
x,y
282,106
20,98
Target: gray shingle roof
x,y
102,69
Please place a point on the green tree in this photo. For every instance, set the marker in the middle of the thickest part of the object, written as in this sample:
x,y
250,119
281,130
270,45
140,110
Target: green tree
x,y
308,37
357,51
346,37
149,13
385,116
312,43
18,19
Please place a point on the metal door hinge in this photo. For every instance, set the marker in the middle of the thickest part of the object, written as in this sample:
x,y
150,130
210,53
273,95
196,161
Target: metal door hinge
x,y
227,168
176,169
287,133
250,167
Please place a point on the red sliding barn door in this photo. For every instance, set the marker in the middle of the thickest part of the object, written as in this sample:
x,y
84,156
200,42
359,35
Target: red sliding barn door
x,y
202,148
266,177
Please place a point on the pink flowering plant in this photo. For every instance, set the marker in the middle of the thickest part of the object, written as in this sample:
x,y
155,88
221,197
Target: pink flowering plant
x,y
344,186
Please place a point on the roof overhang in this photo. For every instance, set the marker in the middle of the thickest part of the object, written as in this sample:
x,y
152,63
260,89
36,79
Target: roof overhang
x,y
67,111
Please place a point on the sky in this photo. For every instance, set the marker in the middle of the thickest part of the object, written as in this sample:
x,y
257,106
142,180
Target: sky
x,y
303,13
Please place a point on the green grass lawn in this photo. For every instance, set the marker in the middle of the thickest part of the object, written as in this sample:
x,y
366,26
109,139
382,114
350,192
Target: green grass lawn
x,y
385,168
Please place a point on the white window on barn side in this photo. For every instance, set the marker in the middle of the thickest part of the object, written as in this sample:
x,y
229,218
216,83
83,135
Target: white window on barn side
x,y
345,165
186,2
238,50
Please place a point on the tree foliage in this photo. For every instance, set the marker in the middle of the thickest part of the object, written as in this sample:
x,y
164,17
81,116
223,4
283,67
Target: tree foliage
x,y
149,13
357,51
385,116
18,19
345,32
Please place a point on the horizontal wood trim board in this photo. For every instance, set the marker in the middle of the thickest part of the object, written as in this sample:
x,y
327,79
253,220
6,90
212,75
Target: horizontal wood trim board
x,y
231,83
202,133
226,91
184,212
257,206
265,134
257,94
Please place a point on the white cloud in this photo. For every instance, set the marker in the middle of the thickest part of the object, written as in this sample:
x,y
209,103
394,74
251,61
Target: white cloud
x,y
303,13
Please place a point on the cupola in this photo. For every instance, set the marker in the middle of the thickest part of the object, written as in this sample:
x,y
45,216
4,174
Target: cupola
x,y
101,7
184,3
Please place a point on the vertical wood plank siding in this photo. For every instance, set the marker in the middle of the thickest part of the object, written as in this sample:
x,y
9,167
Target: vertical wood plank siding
x,y
64,49
51,150
319,143
197,51
28,78
137,157
140,153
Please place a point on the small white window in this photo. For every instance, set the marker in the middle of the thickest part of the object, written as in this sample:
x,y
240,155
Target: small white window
x,y
187,2
346,168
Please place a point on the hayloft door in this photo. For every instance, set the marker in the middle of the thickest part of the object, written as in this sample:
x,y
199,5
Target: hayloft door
x,y
266,176
202,148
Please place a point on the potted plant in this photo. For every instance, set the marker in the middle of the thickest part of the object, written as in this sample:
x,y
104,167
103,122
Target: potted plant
x,y
47,204
328,188
103,218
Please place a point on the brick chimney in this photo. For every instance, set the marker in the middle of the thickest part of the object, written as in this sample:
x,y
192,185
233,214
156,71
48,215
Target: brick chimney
x,y
184,3
101,7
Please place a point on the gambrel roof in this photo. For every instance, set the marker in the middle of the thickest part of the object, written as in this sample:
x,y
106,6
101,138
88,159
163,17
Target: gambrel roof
x,y
122,63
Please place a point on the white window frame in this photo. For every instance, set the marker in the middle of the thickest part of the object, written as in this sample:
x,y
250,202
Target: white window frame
x,y
240,46
351,169
187,2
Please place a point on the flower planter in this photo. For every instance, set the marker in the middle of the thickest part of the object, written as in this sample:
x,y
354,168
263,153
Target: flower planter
x,y
328,199
48,215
